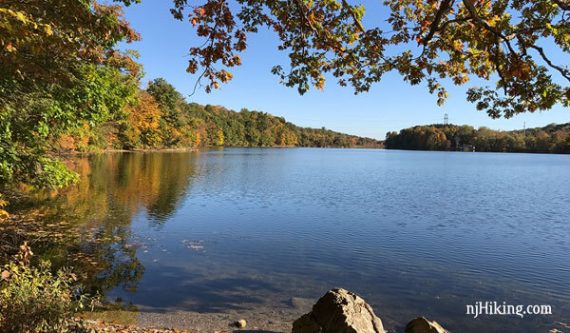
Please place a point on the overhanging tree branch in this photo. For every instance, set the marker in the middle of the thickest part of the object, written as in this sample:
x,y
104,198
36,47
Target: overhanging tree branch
x,y
443,9
473,12
565,73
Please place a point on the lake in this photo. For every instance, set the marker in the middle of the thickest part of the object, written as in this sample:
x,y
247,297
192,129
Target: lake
x,y
414,233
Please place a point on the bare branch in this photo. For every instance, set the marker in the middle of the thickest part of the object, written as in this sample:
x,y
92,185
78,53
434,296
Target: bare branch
x,y
565,73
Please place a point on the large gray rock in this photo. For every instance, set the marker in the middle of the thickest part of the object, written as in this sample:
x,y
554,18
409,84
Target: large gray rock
x,y
339,311
422,325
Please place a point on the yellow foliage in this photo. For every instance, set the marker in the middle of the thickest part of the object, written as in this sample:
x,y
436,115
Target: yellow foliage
x,y
292,139
283,139
220,138
3,214
144,121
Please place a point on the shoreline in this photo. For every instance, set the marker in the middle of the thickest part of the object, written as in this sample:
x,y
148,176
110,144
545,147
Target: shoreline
x,y
193,149
189,149
111,151
266,321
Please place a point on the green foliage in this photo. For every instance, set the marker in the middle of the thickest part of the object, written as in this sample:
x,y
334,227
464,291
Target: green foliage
x,y
167,97
33,299
35,121
549,139
52,174
59,75
101,95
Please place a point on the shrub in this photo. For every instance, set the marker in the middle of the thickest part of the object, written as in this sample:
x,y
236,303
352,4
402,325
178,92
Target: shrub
x,y
33,299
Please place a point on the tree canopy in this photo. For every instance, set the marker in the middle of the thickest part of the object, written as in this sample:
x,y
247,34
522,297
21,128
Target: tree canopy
x,y
59,72
549,139
511,43
162,118
45,43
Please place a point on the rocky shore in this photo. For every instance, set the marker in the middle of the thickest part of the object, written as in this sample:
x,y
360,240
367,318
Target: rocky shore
x,y
338,311
341,311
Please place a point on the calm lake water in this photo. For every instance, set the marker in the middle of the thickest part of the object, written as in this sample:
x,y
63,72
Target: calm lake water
x,y
414,233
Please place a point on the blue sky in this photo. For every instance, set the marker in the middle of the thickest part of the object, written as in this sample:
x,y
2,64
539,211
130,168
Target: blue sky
x,y
389,106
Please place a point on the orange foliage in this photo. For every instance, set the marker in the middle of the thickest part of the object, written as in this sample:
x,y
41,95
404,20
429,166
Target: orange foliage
x,y
144,120
66,142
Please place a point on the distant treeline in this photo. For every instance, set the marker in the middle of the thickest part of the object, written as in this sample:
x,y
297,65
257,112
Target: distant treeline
x,y
549,139
161,118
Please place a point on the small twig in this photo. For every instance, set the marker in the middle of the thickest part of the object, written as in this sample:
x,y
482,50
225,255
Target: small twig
x,y
562,71
353,14
197,83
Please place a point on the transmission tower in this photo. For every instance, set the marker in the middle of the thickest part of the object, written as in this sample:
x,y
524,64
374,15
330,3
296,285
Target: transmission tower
x,y
446,119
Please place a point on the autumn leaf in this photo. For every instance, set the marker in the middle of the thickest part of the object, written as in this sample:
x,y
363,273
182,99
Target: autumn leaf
x,y
5,275
10,48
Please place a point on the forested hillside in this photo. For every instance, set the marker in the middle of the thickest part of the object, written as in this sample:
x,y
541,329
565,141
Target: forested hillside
x,y
159,117
549,139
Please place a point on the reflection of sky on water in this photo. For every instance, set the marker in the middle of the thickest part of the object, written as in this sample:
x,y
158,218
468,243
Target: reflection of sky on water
x,y
415,233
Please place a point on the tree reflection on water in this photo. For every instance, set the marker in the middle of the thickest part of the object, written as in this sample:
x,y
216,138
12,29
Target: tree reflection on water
x,y
88,226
